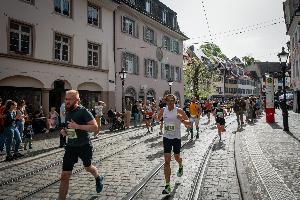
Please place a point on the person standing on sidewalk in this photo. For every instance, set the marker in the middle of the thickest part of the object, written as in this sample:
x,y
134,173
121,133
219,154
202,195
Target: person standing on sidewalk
x,y
10,131
162,104
173,117
135,113
98,115
239,111
220,114
195,111
20,117
79,122
62,112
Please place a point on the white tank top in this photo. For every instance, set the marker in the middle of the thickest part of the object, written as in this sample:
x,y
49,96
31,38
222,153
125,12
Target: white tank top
x,y
171,124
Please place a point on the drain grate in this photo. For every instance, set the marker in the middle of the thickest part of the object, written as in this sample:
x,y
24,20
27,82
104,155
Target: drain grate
x,y
275,186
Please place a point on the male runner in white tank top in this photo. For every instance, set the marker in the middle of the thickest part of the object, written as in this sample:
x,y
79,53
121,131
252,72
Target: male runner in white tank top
x,y
173,117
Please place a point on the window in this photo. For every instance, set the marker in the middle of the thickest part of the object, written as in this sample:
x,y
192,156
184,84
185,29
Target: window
x,y
177,74
94,15
63,7
174,21
94,55
130,63
20,38
149,35
167,72
167,43
164,16
151,68
129,26
148,6
175,46
62,48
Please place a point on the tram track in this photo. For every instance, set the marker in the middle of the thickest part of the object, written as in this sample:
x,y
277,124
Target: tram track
x,y
55,151
138,189
39,169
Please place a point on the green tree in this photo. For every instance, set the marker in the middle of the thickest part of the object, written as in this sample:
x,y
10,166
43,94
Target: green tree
x,y
213,52
248,60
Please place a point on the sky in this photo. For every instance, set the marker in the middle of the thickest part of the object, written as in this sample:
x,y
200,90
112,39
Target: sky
x,y
224,17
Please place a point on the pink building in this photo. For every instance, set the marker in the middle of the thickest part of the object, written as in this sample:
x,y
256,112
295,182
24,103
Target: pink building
x,y
149,45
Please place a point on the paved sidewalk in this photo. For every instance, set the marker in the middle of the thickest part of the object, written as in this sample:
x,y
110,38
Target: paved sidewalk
x,y
270,159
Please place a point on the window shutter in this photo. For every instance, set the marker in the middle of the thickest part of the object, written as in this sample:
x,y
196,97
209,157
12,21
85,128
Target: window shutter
x,y
136,29
122,24
180,71
155,38
145,67
123,60
137,65
155,69
172,72
145,33
163,74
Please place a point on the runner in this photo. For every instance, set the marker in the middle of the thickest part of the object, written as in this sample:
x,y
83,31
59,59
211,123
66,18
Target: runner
x,y
173,117
148,112
220,114
195,111
79,122
208,107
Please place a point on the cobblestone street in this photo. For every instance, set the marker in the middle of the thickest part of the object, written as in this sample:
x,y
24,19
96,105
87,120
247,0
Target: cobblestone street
x,y
265,157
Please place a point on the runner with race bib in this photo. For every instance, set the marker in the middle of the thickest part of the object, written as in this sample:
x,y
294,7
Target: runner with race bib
x,y
173,117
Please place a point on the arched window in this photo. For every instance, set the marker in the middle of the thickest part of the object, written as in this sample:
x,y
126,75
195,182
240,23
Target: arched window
x,y
150,95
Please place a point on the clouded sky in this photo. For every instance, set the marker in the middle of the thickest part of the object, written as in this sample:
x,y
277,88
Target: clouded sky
x,y
226,16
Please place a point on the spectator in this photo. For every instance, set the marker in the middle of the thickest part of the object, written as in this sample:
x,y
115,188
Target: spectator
x,y
98,115
53,119
135,112
62,111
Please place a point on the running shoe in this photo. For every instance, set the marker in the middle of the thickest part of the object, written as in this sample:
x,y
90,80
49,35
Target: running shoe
x,y
99,184
180,171
167,189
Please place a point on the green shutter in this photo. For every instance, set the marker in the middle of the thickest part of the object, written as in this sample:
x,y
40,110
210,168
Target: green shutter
x,y
155,69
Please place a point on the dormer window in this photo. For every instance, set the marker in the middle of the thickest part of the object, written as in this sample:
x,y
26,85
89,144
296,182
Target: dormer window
x,y
148,6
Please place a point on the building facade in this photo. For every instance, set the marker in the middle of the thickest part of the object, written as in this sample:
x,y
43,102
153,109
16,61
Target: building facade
x,y
50,46
291,10
148,45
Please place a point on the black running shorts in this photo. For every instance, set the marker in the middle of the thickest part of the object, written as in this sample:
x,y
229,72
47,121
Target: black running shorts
x,y
85,153
169,143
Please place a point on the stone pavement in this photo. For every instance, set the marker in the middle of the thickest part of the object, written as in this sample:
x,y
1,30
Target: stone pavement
x,y
269,159
220,179
193,156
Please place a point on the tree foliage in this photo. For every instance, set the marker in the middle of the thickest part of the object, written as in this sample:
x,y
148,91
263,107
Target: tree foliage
x,y
248,60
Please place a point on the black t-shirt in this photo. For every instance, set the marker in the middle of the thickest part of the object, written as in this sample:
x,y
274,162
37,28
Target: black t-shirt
x,y
81,116
219,113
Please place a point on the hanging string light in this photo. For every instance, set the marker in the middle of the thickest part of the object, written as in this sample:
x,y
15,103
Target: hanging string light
x,y
206,19
241,31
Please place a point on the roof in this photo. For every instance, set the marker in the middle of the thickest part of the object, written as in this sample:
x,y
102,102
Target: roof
x,y
268,67
155,17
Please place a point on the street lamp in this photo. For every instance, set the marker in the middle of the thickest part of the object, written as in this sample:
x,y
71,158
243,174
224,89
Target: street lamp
x,y
123,75
170,82
283,56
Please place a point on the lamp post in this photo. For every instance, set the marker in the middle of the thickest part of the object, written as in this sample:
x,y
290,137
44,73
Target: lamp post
x,y
283,56
170,82
123,75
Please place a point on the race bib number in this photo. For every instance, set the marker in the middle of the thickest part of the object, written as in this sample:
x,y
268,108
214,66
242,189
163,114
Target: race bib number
x,y
71,133
147,116
169,128
220,114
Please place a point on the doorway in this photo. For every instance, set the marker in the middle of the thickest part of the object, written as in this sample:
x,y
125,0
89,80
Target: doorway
x,y
56,95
